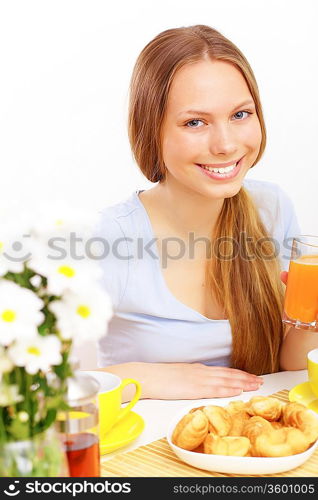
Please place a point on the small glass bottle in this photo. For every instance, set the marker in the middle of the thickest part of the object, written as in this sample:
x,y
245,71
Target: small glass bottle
x,y
79,426
41,455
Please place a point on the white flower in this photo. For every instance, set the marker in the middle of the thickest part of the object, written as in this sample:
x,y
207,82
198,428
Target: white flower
x,y
84,316
6,364
9,394
36,280
19,312
36,353
64,274
58,218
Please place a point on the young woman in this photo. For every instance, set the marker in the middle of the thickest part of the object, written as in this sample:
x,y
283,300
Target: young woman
x,y
195,263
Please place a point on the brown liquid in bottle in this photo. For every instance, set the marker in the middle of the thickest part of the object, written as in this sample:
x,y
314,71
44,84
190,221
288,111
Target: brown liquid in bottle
x,y
82,451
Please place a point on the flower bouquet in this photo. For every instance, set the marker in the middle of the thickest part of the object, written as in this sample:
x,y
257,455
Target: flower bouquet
x,y
50,301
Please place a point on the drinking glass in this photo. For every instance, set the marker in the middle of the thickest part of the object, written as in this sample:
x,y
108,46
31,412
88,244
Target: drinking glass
x,y
301,298
79,426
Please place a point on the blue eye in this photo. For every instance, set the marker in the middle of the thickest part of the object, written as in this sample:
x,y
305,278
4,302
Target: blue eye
x,y
192,121
240,113
240,116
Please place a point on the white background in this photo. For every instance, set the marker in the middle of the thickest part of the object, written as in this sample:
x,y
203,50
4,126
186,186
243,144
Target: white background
x,y
65,70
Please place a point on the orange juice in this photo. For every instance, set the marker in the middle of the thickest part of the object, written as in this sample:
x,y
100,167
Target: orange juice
x,y
301,300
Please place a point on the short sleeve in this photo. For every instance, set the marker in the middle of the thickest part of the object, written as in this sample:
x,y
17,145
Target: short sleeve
x,y
278,215
110,251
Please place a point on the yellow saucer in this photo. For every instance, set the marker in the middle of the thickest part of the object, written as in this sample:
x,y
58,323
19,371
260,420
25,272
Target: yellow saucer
x,y
122,433
302,393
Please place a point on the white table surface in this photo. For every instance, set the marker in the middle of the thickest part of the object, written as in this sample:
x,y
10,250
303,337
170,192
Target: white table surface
x,y
157,414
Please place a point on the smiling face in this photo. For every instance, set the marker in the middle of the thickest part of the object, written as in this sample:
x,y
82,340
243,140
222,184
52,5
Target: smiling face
x,y
210,120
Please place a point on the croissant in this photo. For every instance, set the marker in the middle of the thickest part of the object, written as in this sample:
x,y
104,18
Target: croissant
x,y
227,445
191,430
235,406
195,409
266,407
220,421
256,426
277,425
280,443
199,449
297,415
239,417
262,427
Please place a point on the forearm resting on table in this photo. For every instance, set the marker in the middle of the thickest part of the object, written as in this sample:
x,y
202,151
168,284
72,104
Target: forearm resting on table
x,y
143,372
297,343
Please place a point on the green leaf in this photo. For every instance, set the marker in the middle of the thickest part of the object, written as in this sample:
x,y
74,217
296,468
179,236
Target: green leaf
x,y
46,422
18,430
54,402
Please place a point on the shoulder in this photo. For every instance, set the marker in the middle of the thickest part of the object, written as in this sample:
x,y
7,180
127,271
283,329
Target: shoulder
x,y
121,209
262,190
114,226
274,204
115,220
267,194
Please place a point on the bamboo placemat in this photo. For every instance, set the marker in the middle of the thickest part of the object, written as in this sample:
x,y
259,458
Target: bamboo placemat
x,y
156,459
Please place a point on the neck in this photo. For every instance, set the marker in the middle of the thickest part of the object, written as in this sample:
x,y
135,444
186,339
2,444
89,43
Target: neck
x,y
186,210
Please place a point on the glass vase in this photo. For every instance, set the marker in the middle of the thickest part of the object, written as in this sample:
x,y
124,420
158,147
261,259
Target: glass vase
x,y
40,456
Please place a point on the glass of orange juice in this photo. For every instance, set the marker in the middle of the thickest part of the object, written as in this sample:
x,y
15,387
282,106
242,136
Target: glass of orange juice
x,y
301,298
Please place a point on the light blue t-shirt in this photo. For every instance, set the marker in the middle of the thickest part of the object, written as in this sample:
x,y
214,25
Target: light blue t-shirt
x,y
149,323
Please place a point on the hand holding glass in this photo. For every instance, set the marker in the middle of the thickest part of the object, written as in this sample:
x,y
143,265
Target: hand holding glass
x,y
301,299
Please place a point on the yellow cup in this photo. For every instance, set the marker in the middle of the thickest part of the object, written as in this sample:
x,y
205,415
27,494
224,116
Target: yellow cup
x,y
312,365
109,399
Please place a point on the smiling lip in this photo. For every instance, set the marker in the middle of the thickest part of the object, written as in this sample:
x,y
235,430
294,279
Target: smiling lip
x,y
219,165
222,177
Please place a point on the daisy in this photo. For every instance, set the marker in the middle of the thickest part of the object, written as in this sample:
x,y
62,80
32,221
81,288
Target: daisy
x,y
58,218
36,353
65,273
83,316
19,312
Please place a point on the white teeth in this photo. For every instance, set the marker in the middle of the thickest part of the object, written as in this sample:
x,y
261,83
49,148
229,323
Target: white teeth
x,y
220,170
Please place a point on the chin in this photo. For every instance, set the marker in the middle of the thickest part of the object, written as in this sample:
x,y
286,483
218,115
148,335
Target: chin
x,y
225,191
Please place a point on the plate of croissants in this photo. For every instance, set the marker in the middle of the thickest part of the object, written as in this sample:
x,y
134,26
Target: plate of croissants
x,y
259,436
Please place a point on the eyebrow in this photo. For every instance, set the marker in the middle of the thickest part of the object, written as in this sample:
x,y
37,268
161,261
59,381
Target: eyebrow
x,y
198,112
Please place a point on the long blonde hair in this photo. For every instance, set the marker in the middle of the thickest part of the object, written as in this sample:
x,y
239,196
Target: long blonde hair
x,y
250,291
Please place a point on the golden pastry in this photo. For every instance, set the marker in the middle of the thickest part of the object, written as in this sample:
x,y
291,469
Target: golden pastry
x,y
239,417
227,445
238,423
291,406
235,406
256,426
261,427
191,430
199,449
195,409
280,443
297,415
266,407
276,425
220,421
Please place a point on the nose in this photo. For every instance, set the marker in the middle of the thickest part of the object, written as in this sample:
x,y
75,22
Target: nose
x,y
222,140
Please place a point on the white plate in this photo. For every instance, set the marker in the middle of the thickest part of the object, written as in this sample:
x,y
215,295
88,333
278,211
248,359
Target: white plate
x,y
236,465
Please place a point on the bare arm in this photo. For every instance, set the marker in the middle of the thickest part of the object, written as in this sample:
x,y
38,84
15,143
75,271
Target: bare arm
x,y
184,380
297,343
